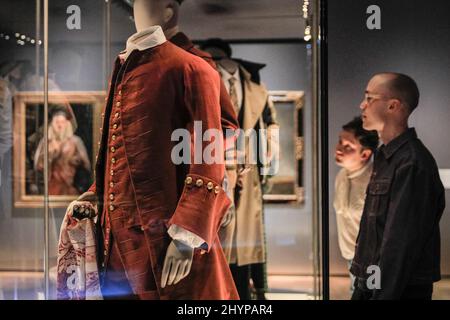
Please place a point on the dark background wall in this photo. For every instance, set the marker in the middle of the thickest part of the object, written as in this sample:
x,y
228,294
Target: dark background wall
x,y
414,39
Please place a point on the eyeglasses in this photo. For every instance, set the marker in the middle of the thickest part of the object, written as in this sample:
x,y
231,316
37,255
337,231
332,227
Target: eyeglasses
x,y
369,98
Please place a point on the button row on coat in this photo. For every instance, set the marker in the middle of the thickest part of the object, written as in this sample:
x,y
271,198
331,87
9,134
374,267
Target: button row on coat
x,y
199,183
111,183
113,149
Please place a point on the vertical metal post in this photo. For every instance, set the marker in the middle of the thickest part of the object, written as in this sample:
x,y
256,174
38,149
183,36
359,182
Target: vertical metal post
x,y
38,37
320,163
107,42
38,66
323,63
46,175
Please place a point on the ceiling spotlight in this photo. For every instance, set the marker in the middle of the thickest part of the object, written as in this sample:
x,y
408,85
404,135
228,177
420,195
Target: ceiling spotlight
x,y
40,42
6,37
32,41
17,35
22,37
1,35
28,39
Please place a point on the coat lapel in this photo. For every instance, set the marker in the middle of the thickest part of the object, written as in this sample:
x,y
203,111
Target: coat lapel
x,y
255,98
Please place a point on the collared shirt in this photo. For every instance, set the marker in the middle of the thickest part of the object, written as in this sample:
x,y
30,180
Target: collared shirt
x,y
226,76
143,40
349,196
399,233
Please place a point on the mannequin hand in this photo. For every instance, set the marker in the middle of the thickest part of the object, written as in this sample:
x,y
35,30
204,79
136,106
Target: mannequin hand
x,y
80,210
177,263
228,217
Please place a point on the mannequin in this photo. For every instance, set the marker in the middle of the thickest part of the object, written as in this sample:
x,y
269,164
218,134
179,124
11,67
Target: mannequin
x,y
168,12
148,13
158,221
244,240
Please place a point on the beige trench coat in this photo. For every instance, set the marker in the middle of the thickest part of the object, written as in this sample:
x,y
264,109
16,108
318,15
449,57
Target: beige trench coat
x,y
243,239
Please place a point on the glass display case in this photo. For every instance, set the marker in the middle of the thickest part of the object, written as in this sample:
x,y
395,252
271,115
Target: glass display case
x,y
56,63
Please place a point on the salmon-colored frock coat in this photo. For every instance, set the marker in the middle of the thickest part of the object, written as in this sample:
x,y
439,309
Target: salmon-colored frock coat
x,y
153,93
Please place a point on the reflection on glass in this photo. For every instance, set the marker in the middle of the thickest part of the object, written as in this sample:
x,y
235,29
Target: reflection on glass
x,y
67,156
78,63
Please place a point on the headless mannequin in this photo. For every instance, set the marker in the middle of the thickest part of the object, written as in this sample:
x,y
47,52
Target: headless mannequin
x,y
148,13
221,58
255,271
164,13
229,65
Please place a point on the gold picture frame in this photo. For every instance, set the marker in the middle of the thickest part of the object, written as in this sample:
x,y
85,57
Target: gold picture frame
x,y
287,185
27,131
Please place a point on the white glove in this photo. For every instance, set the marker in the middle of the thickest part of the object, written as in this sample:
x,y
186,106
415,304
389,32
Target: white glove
x,y
177,263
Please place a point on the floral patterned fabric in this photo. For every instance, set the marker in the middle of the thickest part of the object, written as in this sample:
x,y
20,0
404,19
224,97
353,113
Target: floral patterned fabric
x,y
77,270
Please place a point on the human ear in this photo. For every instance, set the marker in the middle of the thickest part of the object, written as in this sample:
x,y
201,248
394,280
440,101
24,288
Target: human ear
x,y
394,103
366,154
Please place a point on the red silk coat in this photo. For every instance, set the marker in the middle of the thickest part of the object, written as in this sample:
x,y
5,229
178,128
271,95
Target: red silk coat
x,y
160,90
228,115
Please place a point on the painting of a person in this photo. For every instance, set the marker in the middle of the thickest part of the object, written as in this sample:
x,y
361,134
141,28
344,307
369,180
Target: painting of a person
x,y
67,154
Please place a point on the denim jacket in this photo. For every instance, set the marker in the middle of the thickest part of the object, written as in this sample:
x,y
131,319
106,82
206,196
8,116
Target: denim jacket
x,y
399,230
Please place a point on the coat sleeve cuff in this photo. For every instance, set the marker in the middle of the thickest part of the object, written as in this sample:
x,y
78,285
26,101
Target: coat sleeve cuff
x,y
186,237
201,208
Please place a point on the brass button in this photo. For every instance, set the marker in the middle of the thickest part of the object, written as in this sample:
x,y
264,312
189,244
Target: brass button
x,y
199,182
142,228
188,180
118,103
113,137
113,149
120,92
105,252
111,184
111,207
112,172
113,160
111,196
116,114
210,185
115,126
216,189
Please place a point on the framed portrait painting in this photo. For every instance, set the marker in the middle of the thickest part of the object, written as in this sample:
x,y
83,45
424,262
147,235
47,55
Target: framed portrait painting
x,y
287,184
73,132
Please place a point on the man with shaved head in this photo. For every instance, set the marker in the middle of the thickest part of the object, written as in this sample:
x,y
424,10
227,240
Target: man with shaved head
x,y
398,248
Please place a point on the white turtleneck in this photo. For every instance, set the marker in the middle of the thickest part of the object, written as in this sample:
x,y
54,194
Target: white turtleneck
x,y
349,198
